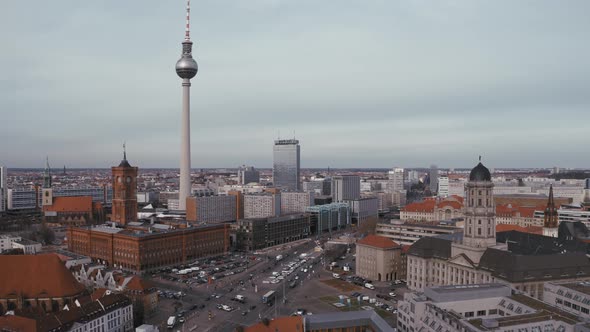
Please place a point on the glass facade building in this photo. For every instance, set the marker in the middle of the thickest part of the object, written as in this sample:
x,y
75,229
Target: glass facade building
x,y
286,163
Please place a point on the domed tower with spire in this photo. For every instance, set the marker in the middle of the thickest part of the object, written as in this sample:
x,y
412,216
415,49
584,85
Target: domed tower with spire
x,y
186,68
551,217
480,215
124,192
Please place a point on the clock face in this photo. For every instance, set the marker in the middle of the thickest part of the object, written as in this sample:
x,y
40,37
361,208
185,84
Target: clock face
x,y
128,179
119,179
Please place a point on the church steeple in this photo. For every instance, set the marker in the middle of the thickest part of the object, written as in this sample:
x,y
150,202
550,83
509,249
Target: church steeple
x,y
551,215
47,175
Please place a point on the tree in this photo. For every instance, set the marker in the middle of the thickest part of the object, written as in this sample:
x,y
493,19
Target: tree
x,y
46,235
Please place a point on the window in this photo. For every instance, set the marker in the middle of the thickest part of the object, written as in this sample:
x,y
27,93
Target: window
x,y
481,313
469,314
479,231
493,312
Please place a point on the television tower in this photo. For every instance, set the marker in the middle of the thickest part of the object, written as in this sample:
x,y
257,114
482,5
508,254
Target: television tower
x,y
186,68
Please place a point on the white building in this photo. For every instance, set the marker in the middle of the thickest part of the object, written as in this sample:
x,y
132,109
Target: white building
x,y
481,307
364,209
443,186
346,187
27,246
396,179
251,188
296,202
262,205
6,241
479,259
211,209
573,297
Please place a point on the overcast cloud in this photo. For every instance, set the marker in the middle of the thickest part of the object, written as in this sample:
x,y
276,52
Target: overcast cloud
x,y
371,83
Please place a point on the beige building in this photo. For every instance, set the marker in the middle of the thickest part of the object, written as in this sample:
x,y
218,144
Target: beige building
x,y
211,209
378,258
262,205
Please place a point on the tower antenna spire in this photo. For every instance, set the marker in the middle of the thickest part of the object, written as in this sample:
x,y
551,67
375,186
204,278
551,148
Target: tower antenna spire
x,y
124,152
187,35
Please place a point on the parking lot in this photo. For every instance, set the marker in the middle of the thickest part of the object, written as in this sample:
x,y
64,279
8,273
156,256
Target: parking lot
x,y
221,293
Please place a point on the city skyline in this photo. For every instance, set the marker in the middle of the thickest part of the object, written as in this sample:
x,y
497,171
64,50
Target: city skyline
x,y
377,85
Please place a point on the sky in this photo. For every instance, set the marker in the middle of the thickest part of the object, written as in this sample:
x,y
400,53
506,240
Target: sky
x,y
364,83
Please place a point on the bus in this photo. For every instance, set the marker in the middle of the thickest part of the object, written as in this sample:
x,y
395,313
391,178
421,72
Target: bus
x,y
268,298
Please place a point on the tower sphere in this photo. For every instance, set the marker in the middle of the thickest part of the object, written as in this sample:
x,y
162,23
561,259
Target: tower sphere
x,y
186,67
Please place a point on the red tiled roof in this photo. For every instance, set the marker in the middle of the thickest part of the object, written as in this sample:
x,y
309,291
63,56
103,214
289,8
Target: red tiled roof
x,y
138,284
18,323
281,324
98,293
454,204
36,276
378,242
529,229
71,204
424,206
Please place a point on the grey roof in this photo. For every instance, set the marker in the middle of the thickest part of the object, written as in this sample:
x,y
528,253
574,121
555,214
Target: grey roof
x,y
467,292
518,268
429,247
347,319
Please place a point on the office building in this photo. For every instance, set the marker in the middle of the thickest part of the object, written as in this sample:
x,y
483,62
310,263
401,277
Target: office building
x,y
296,202
286,165
258,233
262,205
346,188
378,258
140,249
573,297
443,186
364,210
433,176
329,217
482,307
30,197
396,180
211,209
248,174
523,264
3,189
407,233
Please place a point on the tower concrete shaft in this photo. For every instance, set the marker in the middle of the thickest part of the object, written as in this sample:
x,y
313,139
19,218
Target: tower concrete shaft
x,y
186,68
185,146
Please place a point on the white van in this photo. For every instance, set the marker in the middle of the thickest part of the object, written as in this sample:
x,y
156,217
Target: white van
x,y
369,286
171,322
336,275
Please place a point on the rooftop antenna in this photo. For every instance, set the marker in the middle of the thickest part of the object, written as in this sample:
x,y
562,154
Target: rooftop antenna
x,y
187,34
124,152
480,158
293,133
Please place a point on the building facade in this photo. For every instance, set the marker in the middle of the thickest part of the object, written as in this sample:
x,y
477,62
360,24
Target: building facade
x,y
262,205
396,180
477,258
346,188
443,186
258,233
481,307
248,174
144,250
211,209
329,217
407,233
3,189
378,258
286,165
364,209
296,202
433,176
6,241
573,297
434,209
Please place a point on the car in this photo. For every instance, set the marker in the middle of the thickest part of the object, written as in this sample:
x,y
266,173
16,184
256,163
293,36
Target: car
x,y
244,313
392,294
252,307
181,319
300,311
219,306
